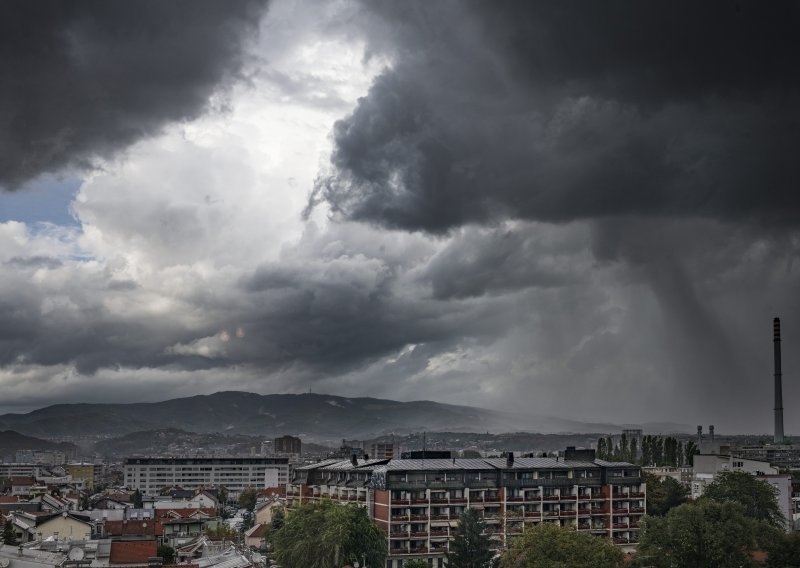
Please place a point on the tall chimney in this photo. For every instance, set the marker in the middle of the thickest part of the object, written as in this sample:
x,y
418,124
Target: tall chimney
x,y
711,433
776,342
699,435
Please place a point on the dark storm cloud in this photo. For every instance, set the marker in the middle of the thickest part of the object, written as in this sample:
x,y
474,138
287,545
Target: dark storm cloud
x,y
84,79
573,110
501,260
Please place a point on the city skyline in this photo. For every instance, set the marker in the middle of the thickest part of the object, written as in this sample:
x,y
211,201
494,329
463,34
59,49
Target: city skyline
x,y
580,210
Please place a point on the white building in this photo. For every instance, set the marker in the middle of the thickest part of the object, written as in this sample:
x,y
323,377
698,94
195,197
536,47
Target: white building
x,y
150,475
708,466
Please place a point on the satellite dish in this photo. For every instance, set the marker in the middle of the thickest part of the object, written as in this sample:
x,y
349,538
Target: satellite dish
x,y
75,553
4,562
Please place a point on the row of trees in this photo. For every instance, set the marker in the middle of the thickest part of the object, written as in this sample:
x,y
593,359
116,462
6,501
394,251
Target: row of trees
x,y
654,450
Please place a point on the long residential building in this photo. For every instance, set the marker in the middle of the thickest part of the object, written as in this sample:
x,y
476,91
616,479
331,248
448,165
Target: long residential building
x,y
417,502
150,475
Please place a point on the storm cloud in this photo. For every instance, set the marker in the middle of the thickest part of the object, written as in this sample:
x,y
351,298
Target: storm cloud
x,y
83,80
580,209
557,112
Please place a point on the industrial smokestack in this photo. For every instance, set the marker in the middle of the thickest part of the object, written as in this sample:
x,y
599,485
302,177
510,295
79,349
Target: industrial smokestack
x,y
699,435
776,342
711,433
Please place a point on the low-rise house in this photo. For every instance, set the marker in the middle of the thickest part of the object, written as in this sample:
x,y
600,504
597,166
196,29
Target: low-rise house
x,y
265,510
64,525
254,536
22,485
178,532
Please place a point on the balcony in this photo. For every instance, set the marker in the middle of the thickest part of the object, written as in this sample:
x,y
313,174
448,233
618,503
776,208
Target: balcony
x,y
637,509
400,535
439,501
419,551
550,497
458,501
513,499
624,511
492,499
620,526
401,501
400,518
439,534
419,534
636,495
567,513
439,517
533,515
419,517
419,501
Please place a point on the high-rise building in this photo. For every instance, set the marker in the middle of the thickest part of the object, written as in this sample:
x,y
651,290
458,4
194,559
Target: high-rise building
x,y
418,502
288,446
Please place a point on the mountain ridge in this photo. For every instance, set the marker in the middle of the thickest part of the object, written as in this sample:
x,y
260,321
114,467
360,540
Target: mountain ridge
x,y
315,416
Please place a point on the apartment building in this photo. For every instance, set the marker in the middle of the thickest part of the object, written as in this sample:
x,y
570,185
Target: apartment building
x,y
418,501
150,475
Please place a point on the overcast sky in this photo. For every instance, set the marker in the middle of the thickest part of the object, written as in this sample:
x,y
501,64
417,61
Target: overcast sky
x,y
580,209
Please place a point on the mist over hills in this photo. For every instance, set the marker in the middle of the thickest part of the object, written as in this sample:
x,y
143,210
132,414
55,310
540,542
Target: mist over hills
x,y
316,416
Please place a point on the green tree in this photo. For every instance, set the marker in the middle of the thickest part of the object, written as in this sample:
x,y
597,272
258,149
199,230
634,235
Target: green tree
x,y
9,535
759,498
547,545
690,449
136,499
623,447
663,495
471,547
248,498
221,530
415,563
634,451
325,534
601,449
167,554
278,519
706,534
784,552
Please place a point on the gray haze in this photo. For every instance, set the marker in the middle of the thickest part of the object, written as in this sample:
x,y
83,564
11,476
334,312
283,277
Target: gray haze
x,y
586,210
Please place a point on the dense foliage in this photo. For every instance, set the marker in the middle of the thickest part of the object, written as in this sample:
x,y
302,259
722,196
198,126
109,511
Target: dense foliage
x,y
9,536
248,498
548,545
325,534
663,495
167,554
654,451
759,498
471,547
705,534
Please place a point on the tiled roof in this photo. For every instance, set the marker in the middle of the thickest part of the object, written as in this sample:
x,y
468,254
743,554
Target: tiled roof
x,y
9,499
132,551
23,481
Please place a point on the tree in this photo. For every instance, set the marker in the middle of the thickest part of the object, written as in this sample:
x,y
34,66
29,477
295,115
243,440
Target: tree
x,y
706,534
471,547
634,451
9,535
784,552
416,564
547,545
759,498
248,498
278,519
136,499
690,449
601,449
325,534
167,554
663,495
